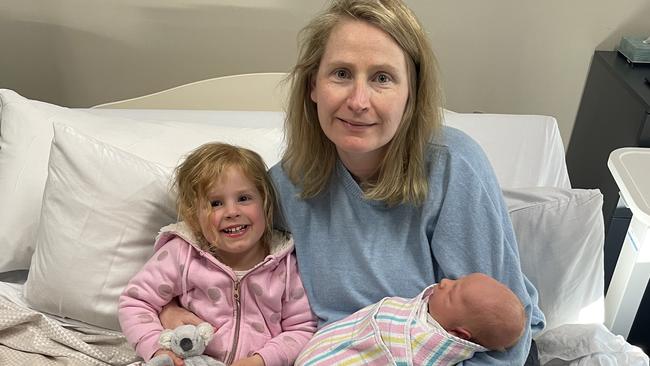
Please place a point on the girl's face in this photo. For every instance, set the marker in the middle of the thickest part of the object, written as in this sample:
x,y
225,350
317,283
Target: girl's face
x,y
360,89
234,221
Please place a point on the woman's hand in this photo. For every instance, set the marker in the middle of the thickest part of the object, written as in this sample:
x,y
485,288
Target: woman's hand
x,y
254,360
177,361
172,316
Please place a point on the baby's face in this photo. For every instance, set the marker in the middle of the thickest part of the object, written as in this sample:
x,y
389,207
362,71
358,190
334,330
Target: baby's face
x,y
464,306
451,300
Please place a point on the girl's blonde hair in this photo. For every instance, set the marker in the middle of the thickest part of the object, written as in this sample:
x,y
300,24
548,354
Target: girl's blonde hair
x,y
310,156
194,177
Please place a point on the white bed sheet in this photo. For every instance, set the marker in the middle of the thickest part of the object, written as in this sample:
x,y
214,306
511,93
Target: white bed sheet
x,y
13,292
12,287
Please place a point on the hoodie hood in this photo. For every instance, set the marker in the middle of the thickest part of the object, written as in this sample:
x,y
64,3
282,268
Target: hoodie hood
x,y
280,247
281,242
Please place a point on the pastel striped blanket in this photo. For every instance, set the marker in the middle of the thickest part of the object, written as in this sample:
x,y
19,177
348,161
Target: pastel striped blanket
x,y
389,332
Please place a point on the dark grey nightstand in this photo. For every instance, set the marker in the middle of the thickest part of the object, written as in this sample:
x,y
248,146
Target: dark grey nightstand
x,y
614,112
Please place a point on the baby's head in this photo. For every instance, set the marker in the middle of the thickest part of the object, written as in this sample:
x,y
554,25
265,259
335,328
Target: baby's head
x,y
224,193
480,309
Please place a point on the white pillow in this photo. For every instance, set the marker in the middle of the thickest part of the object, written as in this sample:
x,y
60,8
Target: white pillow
x,y
102,209
560,233
26,132
524,150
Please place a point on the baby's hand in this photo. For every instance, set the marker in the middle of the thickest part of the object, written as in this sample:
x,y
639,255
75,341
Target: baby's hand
x,y
164,357
254,360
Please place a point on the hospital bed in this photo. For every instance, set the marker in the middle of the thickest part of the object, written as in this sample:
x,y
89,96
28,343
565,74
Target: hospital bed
x,y
83,193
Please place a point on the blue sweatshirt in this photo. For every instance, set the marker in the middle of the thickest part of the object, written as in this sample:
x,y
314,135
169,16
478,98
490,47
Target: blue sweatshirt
x,y
352,252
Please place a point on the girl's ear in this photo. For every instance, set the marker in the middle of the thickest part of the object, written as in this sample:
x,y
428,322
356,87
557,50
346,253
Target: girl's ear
x,y
461,332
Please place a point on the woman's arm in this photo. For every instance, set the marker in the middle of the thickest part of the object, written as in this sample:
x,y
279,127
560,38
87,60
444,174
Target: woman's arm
x,y
474,234
254,360
173,315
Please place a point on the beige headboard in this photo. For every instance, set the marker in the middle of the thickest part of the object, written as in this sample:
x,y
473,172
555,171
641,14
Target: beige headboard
x,y
246,92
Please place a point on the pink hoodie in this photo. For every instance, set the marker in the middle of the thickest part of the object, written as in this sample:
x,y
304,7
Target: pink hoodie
x,y
266,312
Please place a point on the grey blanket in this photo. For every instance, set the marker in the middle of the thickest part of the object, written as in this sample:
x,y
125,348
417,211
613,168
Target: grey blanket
x,y
28,337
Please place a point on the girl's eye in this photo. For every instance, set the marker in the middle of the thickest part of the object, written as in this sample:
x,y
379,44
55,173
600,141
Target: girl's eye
x,y
215,203
244,198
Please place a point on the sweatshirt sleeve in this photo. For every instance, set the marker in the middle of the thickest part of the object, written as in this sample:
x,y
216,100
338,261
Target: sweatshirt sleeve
x,y
298,323
145,295
474,233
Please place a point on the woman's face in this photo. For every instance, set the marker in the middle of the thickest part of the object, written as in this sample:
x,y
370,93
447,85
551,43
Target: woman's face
x,y
360,90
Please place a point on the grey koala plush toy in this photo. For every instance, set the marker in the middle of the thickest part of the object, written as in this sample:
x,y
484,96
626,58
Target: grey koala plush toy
x,y
188,342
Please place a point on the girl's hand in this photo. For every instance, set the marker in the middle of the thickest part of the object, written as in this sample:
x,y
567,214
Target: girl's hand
x,y
254,360
172,316
177,361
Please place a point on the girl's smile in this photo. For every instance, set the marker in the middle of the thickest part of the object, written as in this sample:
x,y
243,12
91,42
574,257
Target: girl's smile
x,y
234,221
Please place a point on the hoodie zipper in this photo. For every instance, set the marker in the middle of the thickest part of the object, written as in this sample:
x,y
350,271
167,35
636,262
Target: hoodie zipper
x,y
237,303
237,312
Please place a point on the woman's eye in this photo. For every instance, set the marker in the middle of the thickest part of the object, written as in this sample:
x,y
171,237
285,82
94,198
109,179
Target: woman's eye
x,y
383,78
215,203
341,74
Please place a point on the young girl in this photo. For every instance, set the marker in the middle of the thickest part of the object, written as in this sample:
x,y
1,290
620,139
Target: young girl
x,y
225,263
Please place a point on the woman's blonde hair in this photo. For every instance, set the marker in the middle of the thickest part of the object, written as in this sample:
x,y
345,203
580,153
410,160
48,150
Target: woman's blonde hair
x,y
203,167
310,156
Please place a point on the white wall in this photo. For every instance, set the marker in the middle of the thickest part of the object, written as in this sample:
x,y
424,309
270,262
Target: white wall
x,y
527,57
505,56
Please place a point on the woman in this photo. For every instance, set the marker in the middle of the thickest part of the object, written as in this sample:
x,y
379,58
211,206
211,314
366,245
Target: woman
x,y
382,200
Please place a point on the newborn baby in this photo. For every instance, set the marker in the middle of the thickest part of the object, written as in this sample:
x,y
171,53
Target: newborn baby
x,y
444,325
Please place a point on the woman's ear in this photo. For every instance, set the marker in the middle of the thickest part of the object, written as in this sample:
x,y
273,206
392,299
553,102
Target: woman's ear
x,y
312,86
461,332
